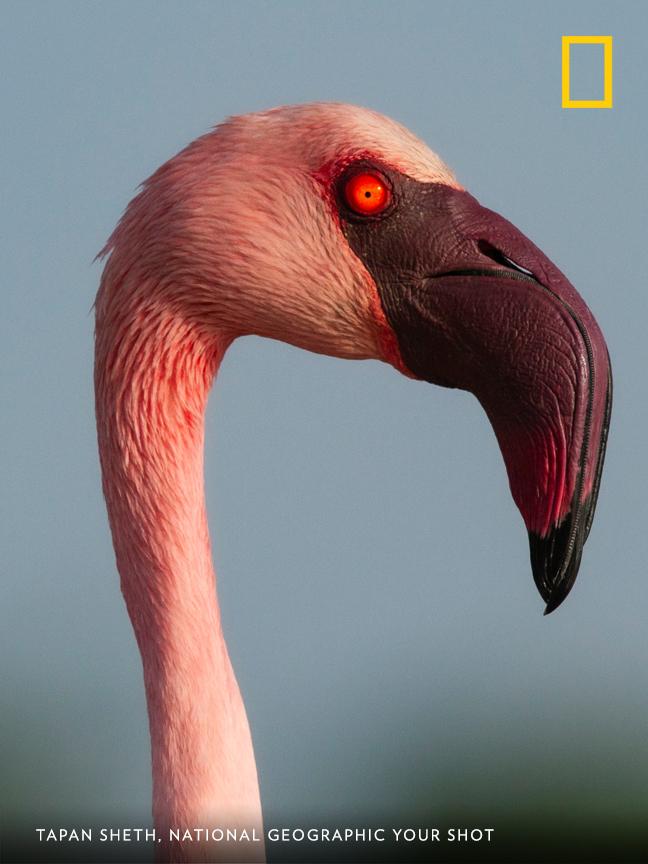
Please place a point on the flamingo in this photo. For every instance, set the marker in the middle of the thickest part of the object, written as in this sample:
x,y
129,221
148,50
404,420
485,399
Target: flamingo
x,y
334,229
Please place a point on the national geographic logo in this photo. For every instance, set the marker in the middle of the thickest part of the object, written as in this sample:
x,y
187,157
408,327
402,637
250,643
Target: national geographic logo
x,y
567,42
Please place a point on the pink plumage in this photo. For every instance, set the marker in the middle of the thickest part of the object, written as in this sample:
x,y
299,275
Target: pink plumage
x,y
237,234
229,237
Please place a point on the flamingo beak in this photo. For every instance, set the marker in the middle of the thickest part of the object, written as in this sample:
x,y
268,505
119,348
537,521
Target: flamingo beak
x,y
474,304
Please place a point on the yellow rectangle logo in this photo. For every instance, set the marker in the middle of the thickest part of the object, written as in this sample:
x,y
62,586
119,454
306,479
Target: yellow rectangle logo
x,y
606,101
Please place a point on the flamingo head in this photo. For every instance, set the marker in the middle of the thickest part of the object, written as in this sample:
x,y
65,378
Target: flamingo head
x,y
335,229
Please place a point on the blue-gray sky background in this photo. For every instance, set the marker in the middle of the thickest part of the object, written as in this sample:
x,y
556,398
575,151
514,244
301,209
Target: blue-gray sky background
x,y
373,569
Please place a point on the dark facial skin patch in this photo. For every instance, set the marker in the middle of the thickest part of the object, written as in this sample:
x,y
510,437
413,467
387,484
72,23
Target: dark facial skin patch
x,y
474,304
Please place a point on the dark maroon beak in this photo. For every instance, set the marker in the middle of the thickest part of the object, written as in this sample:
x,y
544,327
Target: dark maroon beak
x,y
475,304
542,374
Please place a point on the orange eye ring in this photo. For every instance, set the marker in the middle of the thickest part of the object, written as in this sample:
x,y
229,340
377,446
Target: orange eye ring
x,y
367,194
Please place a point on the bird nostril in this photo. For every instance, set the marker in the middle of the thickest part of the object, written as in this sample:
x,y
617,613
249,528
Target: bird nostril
x,y
500,258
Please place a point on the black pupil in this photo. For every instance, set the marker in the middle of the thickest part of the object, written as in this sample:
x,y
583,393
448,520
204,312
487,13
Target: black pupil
x,y
367,194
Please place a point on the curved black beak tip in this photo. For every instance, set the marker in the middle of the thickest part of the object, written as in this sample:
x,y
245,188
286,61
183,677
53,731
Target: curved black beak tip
x,y
555,560
554,601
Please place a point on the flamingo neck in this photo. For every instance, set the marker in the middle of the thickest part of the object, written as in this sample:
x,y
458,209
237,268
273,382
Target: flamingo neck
x,y
153,375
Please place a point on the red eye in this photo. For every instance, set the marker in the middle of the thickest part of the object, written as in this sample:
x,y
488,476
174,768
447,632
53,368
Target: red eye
x,y
367,194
